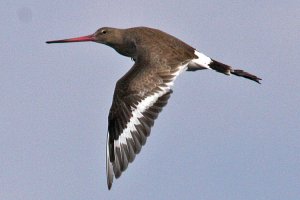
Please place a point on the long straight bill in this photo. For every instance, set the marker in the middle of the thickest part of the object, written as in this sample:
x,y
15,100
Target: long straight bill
x,y
76,39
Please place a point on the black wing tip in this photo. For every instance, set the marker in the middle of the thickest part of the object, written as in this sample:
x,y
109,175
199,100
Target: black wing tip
x,y
109,186
110,179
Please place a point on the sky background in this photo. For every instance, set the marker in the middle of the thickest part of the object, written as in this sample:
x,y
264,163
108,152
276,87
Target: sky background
x,y
219,137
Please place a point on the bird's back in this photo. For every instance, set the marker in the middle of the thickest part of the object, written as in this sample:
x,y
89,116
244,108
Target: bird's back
x,y
160,48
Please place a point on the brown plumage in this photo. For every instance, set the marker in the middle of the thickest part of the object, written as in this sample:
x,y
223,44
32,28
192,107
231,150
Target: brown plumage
x,y
145,89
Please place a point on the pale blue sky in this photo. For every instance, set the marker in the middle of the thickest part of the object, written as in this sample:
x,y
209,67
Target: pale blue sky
x,y
218,138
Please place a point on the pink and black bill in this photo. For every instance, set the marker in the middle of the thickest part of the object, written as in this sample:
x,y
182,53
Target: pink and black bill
x,y
87,38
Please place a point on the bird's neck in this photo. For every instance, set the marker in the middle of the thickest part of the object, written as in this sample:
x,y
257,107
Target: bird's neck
x,y
125,48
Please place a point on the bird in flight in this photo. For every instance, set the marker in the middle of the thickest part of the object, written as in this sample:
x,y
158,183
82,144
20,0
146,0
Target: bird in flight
x,y
144,90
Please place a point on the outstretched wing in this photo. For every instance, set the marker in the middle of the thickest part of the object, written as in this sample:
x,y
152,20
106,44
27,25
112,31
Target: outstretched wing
x,y
138,98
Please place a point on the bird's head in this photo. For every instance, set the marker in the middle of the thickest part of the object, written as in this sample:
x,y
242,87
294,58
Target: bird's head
x,y
104,35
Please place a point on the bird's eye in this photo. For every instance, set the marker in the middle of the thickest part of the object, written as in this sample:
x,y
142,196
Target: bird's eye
x,y
103,31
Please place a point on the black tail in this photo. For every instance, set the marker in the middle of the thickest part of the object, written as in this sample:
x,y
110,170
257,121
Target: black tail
x,y
225,69
247,75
